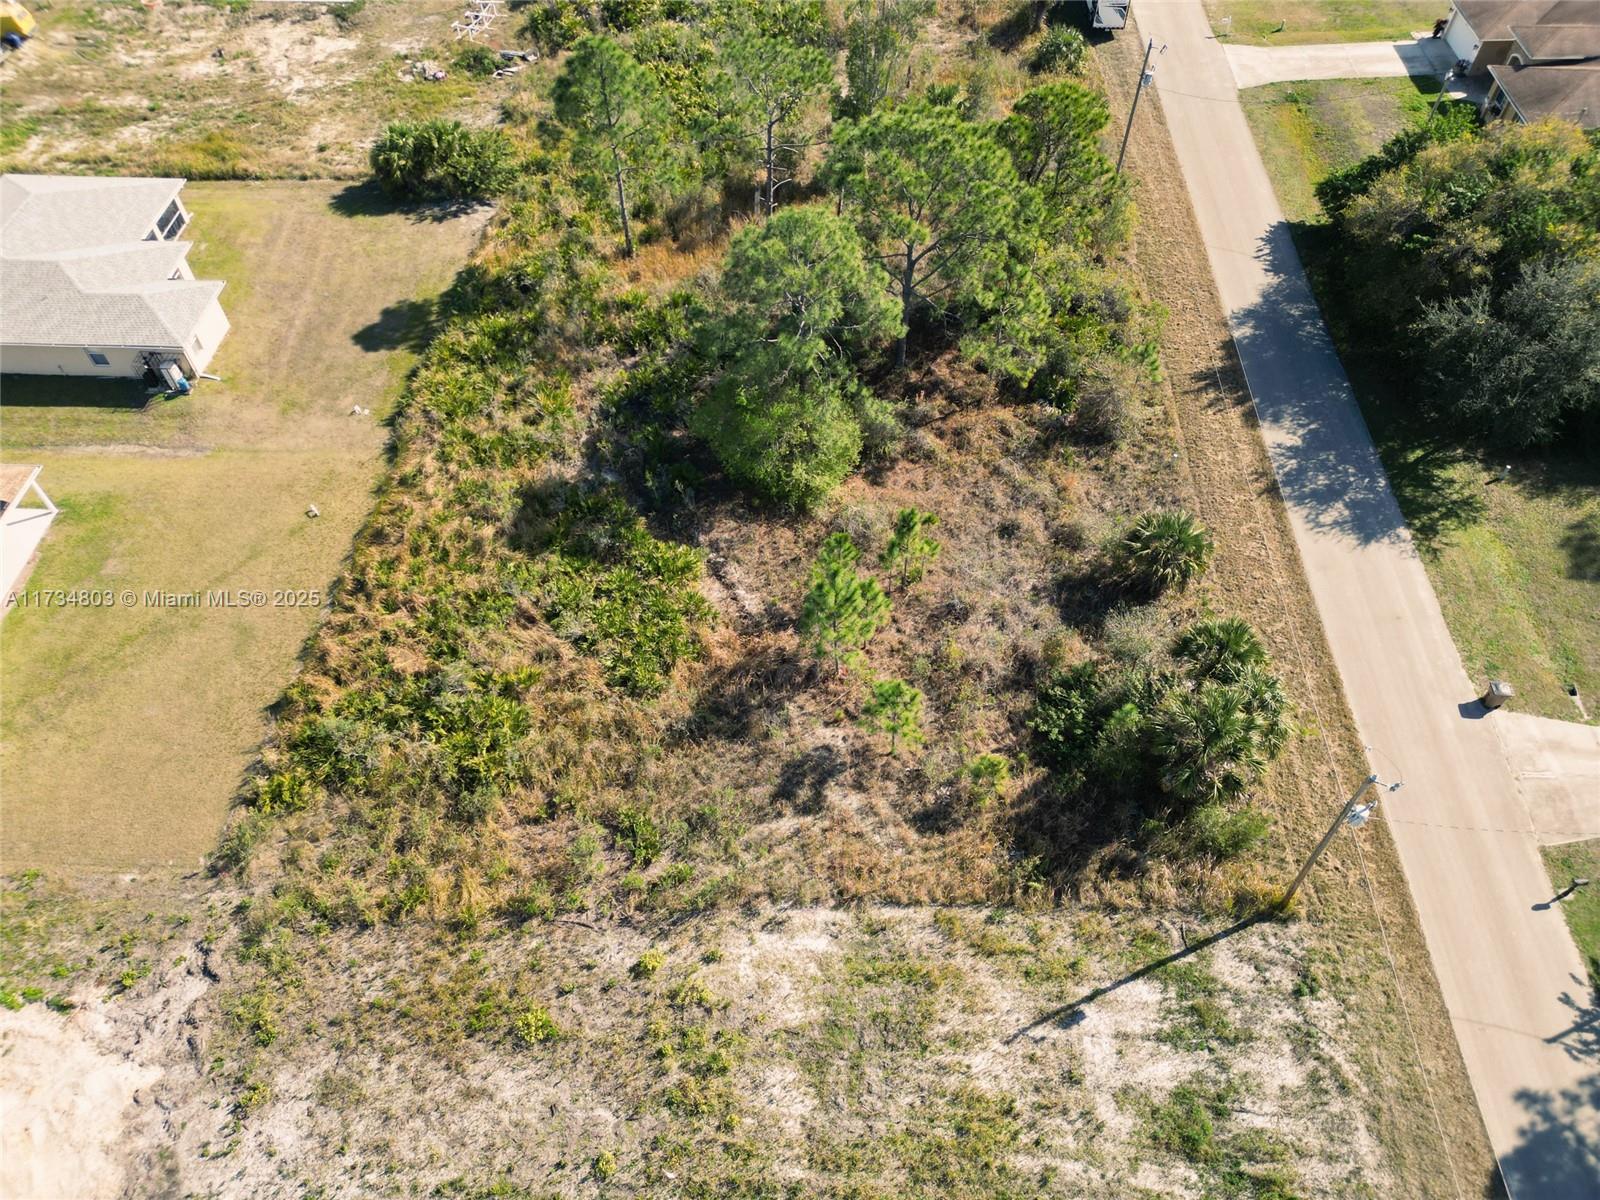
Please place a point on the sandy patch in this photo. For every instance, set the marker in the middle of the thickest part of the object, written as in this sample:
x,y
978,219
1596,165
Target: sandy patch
x,y
63,1104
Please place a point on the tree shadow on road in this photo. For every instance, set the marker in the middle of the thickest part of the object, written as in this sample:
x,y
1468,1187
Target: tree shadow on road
x,y
1324,453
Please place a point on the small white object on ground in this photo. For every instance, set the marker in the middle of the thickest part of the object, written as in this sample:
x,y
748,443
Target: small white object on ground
x,y
313,512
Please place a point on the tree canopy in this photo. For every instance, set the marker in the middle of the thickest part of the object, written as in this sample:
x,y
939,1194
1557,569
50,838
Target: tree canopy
x,y
937,201
617,116
1469,256
798,298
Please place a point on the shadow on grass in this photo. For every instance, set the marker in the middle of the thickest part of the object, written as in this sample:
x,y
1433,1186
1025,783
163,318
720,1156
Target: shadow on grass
x,y
68,391
1581,544
1436,502
367,199
404,325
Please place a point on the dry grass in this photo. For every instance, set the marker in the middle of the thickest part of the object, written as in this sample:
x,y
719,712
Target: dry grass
x,y
271,91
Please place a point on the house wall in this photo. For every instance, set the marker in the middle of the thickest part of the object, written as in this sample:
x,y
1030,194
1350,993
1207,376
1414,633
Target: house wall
x,y
209,330
70,360
1465,45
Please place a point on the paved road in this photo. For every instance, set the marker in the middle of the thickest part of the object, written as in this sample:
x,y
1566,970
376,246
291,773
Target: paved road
x,y
1255,65
1511,976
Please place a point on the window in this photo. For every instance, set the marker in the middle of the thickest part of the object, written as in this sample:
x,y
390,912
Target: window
x,y
172,221
99,360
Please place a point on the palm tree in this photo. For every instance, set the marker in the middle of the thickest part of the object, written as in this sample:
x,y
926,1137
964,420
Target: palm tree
x,y
1164,549
1208,744
1220,649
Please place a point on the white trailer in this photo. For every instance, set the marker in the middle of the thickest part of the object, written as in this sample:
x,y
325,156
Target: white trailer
x,y
1108,14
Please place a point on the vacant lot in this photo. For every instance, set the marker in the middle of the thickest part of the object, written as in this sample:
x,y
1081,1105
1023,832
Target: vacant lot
x,y
269,91
1295,22
126,728
1514,558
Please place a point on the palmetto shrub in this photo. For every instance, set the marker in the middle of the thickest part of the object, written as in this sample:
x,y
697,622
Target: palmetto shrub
x,y
1062,49
1220,649
441,160
1163,550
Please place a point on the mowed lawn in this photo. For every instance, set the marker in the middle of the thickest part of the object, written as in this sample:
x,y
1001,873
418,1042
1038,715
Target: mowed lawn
x,y
1579,860
1515,559
1307,22
125,730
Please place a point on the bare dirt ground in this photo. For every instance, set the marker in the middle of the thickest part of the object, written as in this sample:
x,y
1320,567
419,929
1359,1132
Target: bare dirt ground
x,y
809,1037
198,90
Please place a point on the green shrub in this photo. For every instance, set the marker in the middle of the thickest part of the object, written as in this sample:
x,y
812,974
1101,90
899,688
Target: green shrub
x,y
648,964
1163,550
553,25
984,779
627,15
1223,834
441,160
286,792
791,444
480,62
616,592
1067,716
1061,49
639,835
534,1026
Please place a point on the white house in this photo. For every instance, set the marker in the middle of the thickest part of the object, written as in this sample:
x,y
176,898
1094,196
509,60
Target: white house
x,y
25,514
95,279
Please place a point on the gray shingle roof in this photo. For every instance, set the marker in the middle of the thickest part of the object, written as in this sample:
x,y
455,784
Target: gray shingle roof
x,y
1492,20
75,268
42,304
1567,90
42,213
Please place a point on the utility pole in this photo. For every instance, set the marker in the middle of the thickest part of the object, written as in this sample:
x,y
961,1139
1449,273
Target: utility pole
x,y
1444,89
1348,815
1147,75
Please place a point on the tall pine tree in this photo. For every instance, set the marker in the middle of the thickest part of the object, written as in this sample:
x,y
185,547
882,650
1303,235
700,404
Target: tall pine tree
x,y
618,119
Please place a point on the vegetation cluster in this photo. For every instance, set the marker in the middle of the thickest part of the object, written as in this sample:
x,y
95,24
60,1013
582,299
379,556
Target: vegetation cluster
x,y
1471,256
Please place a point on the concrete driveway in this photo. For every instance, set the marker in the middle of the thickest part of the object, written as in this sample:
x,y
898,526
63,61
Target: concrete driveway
x,y
1557,768
1512,980
1254,65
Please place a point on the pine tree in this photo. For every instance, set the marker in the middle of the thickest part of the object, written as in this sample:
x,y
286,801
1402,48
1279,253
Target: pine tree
x,y
878,43
938,202
910,550
842,608
618,118
767,84
894,707
797,297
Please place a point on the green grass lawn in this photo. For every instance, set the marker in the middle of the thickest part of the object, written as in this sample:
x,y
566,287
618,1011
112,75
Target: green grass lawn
x,y
126,729
1298,22
1579,860
1515,562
